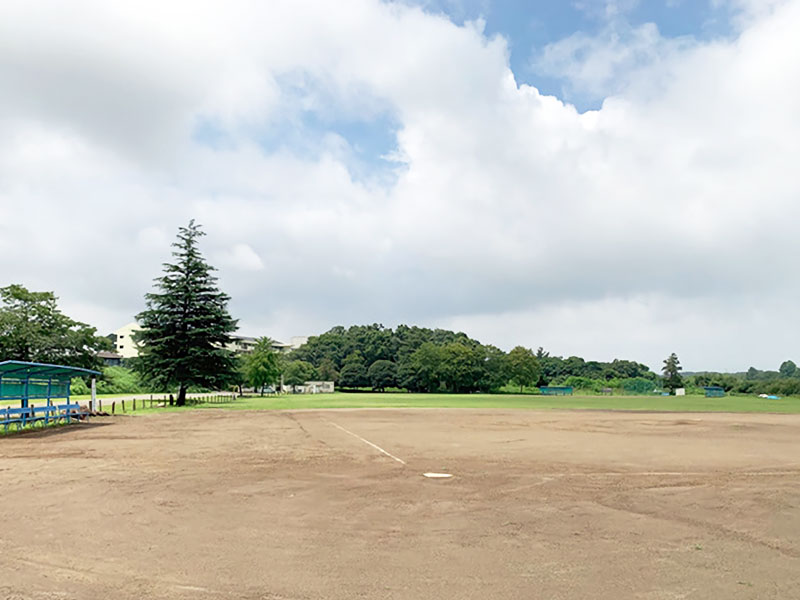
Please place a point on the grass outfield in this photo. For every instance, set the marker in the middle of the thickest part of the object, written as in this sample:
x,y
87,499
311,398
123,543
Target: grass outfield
x,y
745,404
375,400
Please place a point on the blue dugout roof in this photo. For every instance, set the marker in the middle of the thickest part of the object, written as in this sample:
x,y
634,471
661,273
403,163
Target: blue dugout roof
x,y
17,369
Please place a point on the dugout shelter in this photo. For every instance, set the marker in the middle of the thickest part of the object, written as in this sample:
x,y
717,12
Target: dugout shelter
x,y
26,381
714,391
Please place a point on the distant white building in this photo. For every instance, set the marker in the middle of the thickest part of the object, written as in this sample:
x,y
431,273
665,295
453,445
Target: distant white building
x,y
297,340
123,342
243,344
124,345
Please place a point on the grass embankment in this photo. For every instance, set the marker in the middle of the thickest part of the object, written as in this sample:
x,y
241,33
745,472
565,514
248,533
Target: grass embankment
x,y
376,400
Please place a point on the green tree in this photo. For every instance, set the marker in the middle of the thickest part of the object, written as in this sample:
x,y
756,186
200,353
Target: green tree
x,y
462,367
523,367
421,371
671,371
119,380
297,372
788,368
382,374
33,329
186,326
262,366
354,371
327,370
497,371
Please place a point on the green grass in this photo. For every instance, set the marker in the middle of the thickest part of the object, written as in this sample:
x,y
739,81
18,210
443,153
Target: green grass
x,y
746,404
375,400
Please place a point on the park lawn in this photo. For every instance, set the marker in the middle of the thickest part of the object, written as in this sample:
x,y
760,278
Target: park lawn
x,y
402,400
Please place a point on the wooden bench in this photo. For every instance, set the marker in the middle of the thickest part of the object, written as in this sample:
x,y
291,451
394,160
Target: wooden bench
x,y
30,415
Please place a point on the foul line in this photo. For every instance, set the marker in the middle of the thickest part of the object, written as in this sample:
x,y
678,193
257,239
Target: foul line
x,y
378,448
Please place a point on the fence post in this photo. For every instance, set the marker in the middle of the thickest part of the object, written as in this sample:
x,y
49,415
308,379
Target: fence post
x,y
113,407
123,405
134,405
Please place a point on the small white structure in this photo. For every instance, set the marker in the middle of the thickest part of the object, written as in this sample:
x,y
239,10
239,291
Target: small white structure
x,y
123,342
310,387
318,387
680,391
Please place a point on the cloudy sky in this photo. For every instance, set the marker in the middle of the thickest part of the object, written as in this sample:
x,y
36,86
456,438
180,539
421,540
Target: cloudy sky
x,y
604,178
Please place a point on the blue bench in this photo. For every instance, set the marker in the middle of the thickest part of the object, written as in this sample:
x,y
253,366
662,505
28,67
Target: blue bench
x,y
30,415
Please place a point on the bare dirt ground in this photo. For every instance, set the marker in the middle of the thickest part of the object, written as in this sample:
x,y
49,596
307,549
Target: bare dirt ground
x,y
292,505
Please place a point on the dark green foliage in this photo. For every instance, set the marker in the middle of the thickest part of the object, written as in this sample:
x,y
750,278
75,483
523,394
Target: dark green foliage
x,y
555,367
462,367
421,371
433,360
671,372
382,374
788,369
297,372
327,371
186,327
754,381
33,329
262,366
354,371
523,367
497,371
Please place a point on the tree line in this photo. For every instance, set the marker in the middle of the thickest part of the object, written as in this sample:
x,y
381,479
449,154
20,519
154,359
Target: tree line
x,y
785,381
419,359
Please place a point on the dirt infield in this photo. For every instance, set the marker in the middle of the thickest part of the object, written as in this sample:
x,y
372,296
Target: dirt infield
x,y
333,505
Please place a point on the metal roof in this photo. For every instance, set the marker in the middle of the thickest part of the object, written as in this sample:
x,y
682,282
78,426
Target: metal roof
x,y
29,370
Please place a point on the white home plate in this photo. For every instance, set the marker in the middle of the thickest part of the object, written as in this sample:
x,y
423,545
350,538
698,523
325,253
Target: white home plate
x,y
437,475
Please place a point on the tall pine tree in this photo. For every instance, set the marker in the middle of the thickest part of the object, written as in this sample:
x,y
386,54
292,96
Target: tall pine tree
x,y
671,370
186,327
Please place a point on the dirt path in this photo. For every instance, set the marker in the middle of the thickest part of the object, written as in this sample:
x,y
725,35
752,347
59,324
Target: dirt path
x,y
312,504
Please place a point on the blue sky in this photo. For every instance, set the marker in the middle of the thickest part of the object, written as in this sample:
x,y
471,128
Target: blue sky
x,y
530,25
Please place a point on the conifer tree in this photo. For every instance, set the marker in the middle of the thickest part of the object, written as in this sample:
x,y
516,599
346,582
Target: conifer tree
x,y
671,370
186,327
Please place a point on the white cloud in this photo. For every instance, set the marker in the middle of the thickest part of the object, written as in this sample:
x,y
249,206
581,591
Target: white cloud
x,y
511,215
596,66
241,258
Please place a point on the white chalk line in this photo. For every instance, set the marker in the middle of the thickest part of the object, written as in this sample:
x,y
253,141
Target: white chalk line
x,y
378,448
